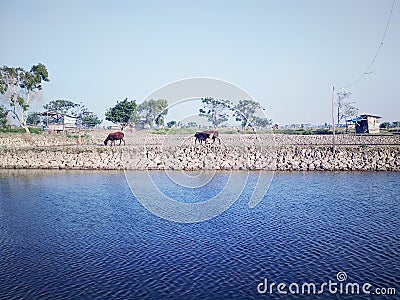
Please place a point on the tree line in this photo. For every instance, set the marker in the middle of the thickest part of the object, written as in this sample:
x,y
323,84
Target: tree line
x,y
216,111
19,87
390,125
128,112
247,112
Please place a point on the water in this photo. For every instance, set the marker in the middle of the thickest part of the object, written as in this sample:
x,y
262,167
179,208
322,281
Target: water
x,y
82,235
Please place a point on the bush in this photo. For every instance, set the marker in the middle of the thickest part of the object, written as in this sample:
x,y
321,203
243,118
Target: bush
x,y
323,131
34,130
160,131
307,132
173,131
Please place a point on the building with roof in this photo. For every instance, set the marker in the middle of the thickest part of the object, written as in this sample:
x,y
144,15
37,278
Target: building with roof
x,y
60,123
366,123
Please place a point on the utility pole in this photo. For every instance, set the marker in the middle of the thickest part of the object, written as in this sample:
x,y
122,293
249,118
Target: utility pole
x,y
333,119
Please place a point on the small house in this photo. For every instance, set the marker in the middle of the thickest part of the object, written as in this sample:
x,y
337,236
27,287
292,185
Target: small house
x,y
60,123
366,124
114,127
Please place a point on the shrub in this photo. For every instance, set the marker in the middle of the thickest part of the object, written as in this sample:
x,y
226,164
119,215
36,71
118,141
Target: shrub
x,y
34,130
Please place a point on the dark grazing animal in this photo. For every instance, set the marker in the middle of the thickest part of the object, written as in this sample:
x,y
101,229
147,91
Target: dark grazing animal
x,y
114,136
204,135
201,137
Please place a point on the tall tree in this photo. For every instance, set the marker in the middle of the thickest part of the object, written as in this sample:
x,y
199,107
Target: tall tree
x,y
215,110
348,111
245,112
153,111
345,108
123,113
20,87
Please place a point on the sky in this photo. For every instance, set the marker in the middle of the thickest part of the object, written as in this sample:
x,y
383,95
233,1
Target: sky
x,y
286,54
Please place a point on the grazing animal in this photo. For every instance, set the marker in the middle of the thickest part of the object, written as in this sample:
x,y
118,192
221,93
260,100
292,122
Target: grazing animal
x,y
214,135
204,135
114,136
201,137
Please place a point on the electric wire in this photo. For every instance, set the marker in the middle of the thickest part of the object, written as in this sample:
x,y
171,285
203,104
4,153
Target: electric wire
x,y
367,71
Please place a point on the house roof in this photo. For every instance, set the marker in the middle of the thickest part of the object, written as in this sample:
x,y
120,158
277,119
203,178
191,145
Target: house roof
x,y
355,120
50,113
362,117
368,115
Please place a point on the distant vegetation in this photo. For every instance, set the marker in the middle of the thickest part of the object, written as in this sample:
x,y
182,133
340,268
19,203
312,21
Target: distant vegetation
x,y
390,127
128,113
8,129
247,112
152,112
303,131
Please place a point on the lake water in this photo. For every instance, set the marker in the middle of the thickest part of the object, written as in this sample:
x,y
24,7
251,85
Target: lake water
x,y
83,235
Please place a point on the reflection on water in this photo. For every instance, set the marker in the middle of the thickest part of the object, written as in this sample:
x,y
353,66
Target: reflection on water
x,y
83,235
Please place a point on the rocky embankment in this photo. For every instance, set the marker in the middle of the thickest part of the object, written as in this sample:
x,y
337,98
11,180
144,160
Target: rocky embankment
x,y
237,152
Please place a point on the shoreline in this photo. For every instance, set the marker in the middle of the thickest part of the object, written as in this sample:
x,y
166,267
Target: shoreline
x,y
236,152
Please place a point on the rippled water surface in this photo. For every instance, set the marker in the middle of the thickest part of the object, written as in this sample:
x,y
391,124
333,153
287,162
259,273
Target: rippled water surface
x,y
83,235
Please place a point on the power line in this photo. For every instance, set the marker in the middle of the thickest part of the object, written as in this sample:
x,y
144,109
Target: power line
x,y
368,70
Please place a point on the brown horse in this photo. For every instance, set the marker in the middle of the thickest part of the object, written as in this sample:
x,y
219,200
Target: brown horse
x,y
114,136
214,135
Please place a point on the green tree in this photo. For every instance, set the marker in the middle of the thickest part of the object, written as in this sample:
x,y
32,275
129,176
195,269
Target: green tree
x,y
215,110
261,122
3,116
171,124
153,111
60,106
245,111
85,117
34,119
122,113
20,87
395,124
90,120
192,124
384,125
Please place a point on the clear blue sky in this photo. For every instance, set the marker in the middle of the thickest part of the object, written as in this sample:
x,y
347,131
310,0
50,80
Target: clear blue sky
x,y
286,54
